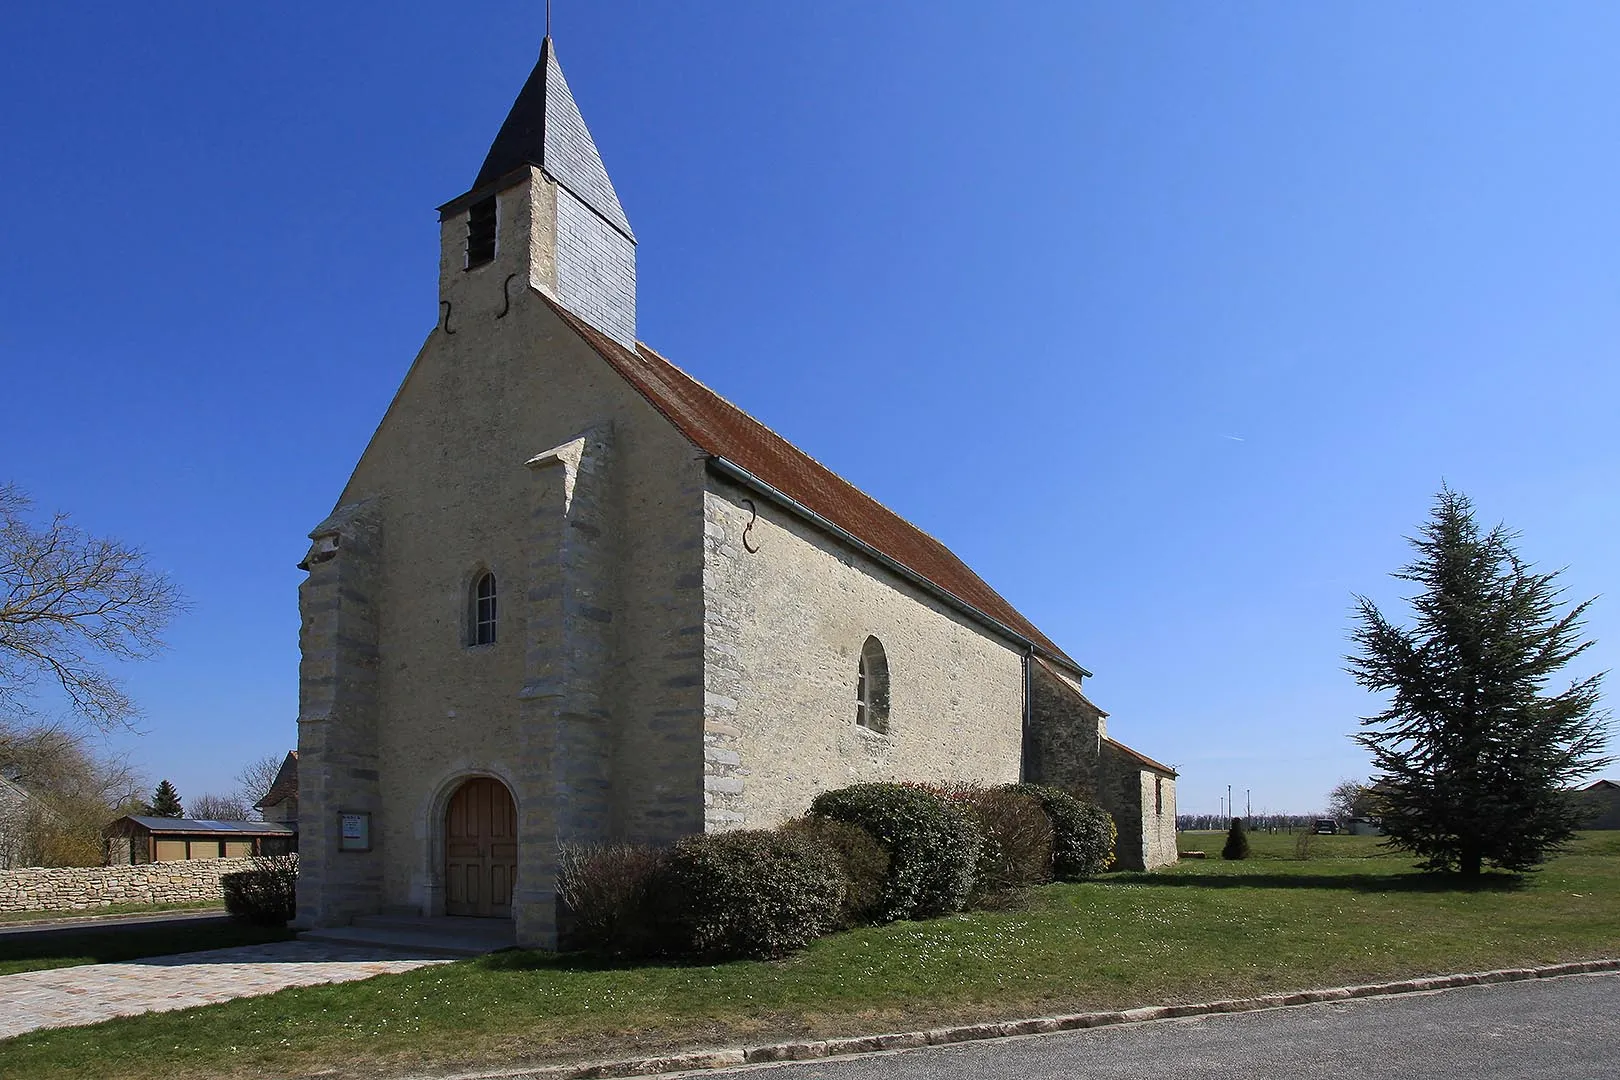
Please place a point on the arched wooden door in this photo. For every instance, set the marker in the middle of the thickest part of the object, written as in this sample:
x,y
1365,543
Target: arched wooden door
x,y
480,850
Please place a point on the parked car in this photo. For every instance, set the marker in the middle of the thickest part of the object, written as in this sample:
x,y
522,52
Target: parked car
x,y
1326,826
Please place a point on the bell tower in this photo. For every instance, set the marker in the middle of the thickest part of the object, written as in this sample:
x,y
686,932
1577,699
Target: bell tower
x,y
542,210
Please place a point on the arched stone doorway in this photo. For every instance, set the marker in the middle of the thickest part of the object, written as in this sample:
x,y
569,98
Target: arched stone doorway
x,y
480,849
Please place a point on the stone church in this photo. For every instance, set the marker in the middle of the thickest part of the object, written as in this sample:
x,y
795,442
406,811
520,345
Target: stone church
x,y
571,594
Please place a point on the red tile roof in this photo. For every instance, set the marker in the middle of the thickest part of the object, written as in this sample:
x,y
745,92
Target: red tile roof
x,y
720,429
1140,758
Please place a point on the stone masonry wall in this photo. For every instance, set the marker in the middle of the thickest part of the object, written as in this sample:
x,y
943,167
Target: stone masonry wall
x,y
84,888
1063,746
513,448
1143,803
786,612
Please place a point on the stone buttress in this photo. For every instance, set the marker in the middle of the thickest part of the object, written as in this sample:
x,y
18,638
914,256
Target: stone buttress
x,y
338,716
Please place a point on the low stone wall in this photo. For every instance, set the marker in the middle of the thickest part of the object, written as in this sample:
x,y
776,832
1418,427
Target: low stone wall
x,y
83,888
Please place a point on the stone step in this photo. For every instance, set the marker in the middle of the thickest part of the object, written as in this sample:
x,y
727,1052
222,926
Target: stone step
x,y
425,936
453,924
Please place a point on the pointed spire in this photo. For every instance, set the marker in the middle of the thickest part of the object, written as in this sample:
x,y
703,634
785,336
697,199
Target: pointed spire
x,y
545,129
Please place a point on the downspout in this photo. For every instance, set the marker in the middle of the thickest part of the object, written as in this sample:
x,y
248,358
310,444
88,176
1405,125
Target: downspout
x,y
1029,714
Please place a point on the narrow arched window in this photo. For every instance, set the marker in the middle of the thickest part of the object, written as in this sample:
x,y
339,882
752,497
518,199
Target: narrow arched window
x,y
872,688
482,611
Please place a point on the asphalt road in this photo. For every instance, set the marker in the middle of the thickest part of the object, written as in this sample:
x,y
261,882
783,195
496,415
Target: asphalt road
x,y
1547,1029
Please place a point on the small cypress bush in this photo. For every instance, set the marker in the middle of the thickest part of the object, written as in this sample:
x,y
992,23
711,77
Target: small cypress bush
x,y
1237,841
933,845
1083,833
865,863
607,892
266,893
749,893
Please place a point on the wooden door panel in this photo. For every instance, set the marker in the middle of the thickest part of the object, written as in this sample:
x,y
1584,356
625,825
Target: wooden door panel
x,y
480,849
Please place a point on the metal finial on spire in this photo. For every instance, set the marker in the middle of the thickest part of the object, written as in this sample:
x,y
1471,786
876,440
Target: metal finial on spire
x,y
548,18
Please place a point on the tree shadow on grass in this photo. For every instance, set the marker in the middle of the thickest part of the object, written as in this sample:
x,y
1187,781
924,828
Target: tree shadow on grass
x,y
1367,883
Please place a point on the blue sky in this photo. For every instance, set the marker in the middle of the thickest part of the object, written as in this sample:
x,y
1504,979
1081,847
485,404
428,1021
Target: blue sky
x,y
1169,318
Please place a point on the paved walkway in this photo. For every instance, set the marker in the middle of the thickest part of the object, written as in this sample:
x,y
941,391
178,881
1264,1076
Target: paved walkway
x,y
66,997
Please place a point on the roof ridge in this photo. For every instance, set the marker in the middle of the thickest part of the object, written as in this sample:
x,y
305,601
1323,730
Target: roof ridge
x,y
834,473
725,431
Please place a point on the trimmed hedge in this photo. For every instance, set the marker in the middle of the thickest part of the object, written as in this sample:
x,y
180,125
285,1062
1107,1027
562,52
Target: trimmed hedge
x,y
1083,834
865,863
749,893
933,845
266,893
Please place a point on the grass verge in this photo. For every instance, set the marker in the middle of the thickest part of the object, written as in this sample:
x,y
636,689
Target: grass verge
x,y
71,946
19,918
1201,930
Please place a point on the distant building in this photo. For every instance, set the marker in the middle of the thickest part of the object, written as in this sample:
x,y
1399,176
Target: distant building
x,y
137,838
1602,802
280,803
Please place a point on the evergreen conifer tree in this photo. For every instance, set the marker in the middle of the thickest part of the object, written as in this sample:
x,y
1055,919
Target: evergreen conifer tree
x,y
166,801
1473,754
1237,841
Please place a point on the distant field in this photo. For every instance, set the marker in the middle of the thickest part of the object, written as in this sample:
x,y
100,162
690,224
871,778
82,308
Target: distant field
x,y
1200,930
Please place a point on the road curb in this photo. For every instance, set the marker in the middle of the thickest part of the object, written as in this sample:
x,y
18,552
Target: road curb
x,y
816,1049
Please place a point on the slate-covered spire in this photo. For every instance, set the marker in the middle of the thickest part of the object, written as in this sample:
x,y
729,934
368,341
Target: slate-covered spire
x,y
545,129
542,210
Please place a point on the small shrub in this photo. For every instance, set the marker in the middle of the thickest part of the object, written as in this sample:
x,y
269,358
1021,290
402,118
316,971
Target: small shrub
x,y
748,893
1304,844
1017,834
865,863
1083,833
266,893
1237,841
933,845
607,892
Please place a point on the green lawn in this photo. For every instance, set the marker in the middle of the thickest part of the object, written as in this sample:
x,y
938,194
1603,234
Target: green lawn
x,y
14,918
71,946
1204,929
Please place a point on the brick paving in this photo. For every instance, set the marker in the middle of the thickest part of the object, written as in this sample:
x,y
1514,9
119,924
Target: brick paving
x,y
89,994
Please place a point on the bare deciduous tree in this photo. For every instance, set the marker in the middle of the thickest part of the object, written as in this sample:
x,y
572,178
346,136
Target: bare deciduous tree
x,y
1347,800
69,602
74,789
218,808
253,782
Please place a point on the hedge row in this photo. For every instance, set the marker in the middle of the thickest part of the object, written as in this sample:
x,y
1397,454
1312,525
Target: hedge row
x,y
866,854
266,893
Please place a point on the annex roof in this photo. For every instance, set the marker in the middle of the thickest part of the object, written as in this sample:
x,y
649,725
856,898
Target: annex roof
x,y
285,785
720,429
1140,758
1135,755
197,825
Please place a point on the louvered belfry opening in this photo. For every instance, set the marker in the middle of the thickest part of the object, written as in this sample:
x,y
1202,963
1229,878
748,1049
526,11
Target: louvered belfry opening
x,y
481,232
